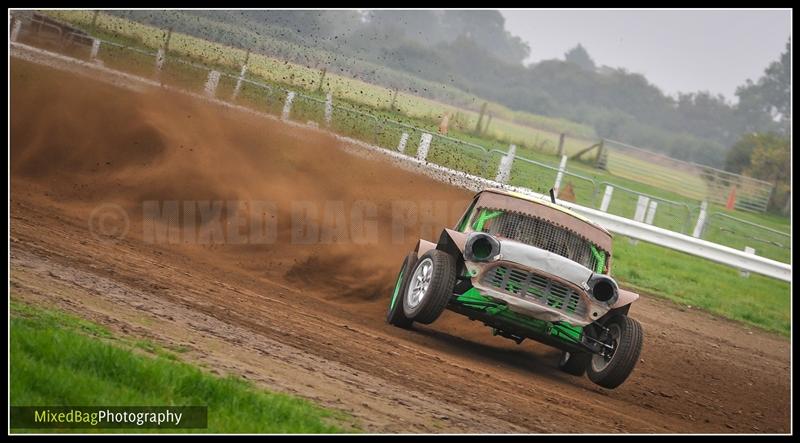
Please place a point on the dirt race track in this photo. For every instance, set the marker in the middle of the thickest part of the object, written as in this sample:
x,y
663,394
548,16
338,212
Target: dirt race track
x,y
309,318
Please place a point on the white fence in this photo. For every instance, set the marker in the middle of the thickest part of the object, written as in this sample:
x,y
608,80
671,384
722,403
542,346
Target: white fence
x,y
634,229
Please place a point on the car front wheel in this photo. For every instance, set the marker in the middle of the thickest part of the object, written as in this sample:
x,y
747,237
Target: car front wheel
x,y
430,287
395,315
624,334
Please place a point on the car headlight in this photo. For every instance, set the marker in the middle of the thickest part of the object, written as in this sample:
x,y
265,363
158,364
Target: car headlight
x,y
603,288
481,246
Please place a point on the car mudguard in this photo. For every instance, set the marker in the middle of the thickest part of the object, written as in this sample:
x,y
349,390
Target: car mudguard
x,y
624,298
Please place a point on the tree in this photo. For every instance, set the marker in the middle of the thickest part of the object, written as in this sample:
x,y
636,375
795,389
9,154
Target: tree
x,y
764,105
764,156
487,29
579,56
770,162
738,158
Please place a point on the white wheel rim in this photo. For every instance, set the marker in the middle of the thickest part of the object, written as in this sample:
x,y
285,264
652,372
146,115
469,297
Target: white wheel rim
x,y
598,361
418,286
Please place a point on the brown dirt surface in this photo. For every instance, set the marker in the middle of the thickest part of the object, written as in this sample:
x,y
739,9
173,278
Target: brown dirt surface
x,y
308,319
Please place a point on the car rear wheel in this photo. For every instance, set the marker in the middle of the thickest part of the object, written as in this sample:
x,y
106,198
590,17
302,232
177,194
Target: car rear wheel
x,y
430,287
574,363
395,315
625,335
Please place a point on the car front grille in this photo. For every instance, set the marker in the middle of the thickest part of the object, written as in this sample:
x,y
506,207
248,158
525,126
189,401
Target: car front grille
x,y
536,232
536,288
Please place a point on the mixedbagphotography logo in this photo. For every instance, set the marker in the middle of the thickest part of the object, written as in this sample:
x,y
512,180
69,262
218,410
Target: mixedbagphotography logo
x,y
109,221
111,417
297,222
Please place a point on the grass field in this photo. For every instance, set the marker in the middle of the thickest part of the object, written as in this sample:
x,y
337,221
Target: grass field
x,y
61,360
759,301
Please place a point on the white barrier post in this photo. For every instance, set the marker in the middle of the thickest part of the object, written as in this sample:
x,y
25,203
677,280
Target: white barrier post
x,y
641,210
401,147
328,109
560,174
606,198
504,169
95,49
211,84
701,220
160,59
287,106
239,83
15,30
747,250
424,146
651,212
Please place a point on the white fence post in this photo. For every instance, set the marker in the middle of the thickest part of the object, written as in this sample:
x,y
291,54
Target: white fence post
x,y
560,174
239,83
211,84
401,147
504,169
328,109
287,106
641,211
641,208
747,250
424,146
606,198
651,212
95,49
15,30
160,59
701,220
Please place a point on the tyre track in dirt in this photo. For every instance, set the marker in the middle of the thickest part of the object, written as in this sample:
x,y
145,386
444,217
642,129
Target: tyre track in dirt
x,y
270,314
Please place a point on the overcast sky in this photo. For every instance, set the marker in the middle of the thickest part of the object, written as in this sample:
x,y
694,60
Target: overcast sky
x,y
682,51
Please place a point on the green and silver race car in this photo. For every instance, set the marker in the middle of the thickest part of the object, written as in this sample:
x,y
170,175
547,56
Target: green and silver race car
x,y
527,268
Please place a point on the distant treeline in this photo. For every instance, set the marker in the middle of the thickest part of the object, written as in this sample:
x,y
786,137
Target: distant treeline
x,y
471,53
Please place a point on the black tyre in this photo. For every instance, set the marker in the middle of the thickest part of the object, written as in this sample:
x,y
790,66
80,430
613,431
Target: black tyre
x,y
395,315
574,364
430,287
626,337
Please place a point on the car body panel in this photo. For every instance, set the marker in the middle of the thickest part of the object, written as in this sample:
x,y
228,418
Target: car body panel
x,y
557,215
565,275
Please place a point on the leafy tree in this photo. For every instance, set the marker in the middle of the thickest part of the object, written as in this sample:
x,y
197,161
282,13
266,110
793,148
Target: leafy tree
x,y
770,161
738,158
764,104
579,56
707,116
487,30
764,156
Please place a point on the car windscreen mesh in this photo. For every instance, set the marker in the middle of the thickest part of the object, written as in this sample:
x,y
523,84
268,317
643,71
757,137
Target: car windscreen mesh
x,y
542,234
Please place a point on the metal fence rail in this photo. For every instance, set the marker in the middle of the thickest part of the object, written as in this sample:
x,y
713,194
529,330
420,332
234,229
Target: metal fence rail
x,y
740,234
700,182
690,245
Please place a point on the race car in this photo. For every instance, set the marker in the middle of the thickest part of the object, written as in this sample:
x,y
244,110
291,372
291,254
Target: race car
x,y
527,268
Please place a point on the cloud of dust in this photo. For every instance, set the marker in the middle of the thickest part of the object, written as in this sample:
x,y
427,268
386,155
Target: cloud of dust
x,y
86,143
